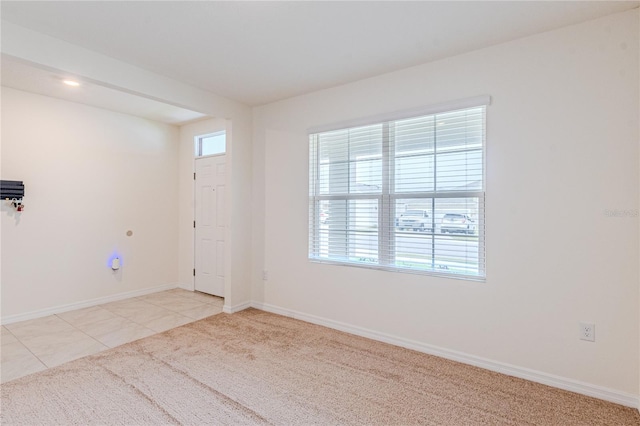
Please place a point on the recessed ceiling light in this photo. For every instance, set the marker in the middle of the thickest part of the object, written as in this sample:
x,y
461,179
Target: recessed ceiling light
x,y
71,83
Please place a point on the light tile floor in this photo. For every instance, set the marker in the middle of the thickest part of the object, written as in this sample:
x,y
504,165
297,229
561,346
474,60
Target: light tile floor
x,y
35,345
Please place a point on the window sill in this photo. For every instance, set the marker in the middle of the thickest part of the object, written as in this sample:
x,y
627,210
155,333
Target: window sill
x,y
395,269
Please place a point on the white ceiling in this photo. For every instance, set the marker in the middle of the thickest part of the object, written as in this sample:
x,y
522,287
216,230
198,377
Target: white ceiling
x,y
260,52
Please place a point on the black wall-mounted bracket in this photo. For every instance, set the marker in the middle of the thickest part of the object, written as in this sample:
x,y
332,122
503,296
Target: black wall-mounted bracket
x,y
13,191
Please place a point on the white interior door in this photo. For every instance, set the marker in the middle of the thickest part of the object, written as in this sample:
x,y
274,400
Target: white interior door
x,y
210,224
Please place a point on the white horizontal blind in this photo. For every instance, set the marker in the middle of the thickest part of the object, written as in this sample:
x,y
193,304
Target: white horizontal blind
x,y
406,194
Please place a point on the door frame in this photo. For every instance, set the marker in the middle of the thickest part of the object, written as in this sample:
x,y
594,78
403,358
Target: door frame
x,y
227,127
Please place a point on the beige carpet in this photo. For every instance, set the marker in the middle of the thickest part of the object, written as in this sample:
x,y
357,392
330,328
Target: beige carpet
x,y
254,368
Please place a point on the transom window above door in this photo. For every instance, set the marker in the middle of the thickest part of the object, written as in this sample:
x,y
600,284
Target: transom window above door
x,y
211,144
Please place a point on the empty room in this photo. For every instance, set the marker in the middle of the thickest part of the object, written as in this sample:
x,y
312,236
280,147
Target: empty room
x,y
320,213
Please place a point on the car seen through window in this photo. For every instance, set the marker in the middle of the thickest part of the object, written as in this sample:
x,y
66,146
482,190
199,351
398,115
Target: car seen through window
x,y
417,220
457,222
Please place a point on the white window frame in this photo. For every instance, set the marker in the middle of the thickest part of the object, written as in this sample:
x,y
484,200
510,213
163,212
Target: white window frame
x,y
387,198
198,143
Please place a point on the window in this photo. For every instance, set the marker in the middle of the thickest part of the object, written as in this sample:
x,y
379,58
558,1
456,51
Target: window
x,y
405,194
211,144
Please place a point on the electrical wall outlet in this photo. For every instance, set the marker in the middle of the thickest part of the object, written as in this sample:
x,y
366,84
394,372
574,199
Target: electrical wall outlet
x,y
587,332
265,275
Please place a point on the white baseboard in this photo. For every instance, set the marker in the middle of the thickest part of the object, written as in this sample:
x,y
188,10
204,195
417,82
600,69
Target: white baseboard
x,y
84,304
184,286
595,391
237,308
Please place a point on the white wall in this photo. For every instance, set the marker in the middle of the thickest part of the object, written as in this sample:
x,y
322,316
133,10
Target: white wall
x,y
562,147
90,175
239,171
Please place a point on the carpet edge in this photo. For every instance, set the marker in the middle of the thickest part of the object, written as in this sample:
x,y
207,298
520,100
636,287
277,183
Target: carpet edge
x,y
595,391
